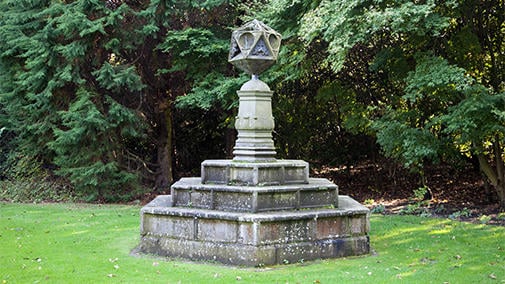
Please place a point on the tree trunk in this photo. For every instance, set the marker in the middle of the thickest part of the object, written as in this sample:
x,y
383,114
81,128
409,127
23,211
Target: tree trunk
x,y
495,175
501,195
164,176
231,136
500,171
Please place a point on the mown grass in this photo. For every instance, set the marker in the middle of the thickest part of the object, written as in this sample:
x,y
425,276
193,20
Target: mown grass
x,y
78,243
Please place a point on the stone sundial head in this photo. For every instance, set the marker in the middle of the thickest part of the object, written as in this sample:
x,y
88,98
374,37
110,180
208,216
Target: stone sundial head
x,y
254,47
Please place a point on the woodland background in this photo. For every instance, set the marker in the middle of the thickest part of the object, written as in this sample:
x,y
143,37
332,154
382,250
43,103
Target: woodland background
x,y
112,101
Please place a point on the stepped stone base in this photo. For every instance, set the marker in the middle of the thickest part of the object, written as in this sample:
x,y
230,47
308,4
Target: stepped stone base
x,y
277,172
253,239
190,192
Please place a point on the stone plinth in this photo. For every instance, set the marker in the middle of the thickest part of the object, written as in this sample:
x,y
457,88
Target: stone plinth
x,y
253,239
254,209
317,193
254,123
277,172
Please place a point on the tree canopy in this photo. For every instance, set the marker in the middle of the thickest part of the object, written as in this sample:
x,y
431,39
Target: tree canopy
x,y
425,78
118,94
88,88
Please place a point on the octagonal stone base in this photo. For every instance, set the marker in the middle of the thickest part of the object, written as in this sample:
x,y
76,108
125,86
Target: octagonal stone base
x,y
277,172
254,239
318,192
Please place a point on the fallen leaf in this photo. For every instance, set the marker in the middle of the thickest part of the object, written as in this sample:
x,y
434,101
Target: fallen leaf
x,y
492,276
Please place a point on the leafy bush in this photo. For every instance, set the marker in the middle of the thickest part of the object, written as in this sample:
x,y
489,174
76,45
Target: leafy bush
x,y
484,219
460,214
378,209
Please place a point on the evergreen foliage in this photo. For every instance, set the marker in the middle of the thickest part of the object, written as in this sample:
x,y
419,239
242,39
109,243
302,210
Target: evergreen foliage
x,y
121,93
50,92
87,88
428,75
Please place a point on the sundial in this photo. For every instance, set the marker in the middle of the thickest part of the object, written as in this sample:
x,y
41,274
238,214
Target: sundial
x,y
254,210
254,47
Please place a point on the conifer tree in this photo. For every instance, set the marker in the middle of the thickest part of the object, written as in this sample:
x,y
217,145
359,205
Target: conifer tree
x,y
88,87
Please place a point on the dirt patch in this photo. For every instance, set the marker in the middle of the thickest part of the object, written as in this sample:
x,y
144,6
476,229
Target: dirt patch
x,y
461,194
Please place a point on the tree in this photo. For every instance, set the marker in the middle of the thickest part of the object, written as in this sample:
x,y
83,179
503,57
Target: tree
x,y
88,87
63,109
436,74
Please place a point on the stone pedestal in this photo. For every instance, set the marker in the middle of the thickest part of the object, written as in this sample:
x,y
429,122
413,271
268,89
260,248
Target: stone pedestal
x,y
272,173
254,210
254,239
254,123
253,214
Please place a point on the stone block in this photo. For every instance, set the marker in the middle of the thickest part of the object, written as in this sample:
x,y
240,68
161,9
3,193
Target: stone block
x,y
211,230
278,172
318,198
181,197
295,175
241,175
231,254
215,174
247,233
170,226
327,228
358,225
351,246
233,201
201,199
297,252
277,201
286,231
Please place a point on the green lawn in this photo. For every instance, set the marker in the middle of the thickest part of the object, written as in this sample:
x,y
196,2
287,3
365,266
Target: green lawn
x,y
80,243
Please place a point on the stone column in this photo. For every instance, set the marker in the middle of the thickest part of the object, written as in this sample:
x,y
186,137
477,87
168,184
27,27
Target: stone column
x,y
254,48
254,123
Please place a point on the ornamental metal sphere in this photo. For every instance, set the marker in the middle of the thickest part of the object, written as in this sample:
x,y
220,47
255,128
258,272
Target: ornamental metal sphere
x,y
254,47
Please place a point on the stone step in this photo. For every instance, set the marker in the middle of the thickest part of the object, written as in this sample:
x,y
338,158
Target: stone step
x,y
254,238
278,172
317,193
